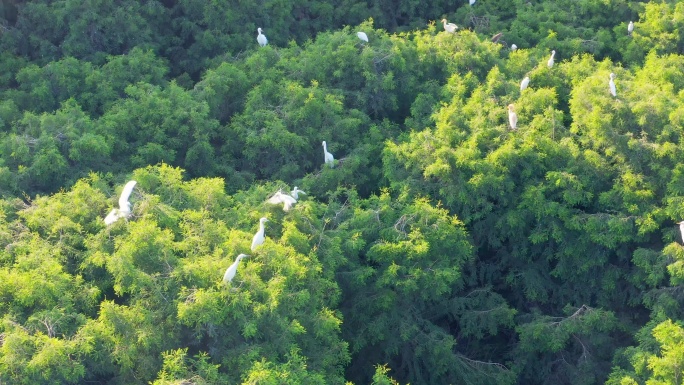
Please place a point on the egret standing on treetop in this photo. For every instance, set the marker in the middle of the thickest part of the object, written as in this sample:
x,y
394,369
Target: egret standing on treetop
x,y
681,229
232,269
512,117
328,157
124,210
513,47
611,84
630,28
449,27
285,199
524,83
261,39
550,62
362,36
295,193
259,237
472,2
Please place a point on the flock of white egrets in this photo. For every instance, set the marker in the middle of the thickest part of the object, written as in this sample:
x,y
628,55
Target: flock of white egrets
x,y
124,212
260,236
512,116
451,28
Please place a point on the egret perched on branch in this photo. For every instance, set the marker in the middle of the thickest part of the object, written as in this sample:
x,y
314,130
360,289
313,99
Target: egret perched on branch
x,y
524,83
362,36
472,2
232,269
285,199
630,28
449,27
261,39
611,84
259,237
295,193
550,62
681,229
513,47
328,157
512,117
124,210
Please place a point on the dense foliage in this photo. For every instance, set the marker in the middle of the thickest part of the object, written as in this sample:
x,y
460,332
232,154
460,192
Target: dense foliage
x,y
443,247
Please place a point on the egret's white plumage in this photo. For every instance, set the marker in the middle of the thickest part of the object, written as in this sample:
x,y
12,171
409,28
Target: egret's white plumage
x,y
550,62
513,47
524,83
472,2
259,237
295,193
362,36
611,84
630,28
285,199
261,38
328,157
681,229
512,117
124,210
449,27
232,269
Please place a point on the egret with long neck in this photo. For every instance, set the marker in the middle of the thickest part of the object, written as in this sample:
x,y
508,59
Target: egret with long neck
x,y
525,82
449,27
124,210
232,269
550,62
259,237
611,84
261,38
512,117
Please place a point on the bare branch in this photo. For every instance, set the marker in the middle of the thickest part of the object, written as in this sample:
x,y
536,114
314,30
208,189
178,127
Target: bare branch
x,y
478,365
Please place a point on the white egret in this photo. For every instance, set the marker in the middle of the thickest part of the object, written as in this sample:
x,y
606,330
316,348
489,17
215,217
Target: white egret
x,y
611,84
124,210
524,83
261,39
449,27
512,117
681,229
232,269
550,62
285,199
362,36
472,2
513,47
630,28
259,237
295,193
328,157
